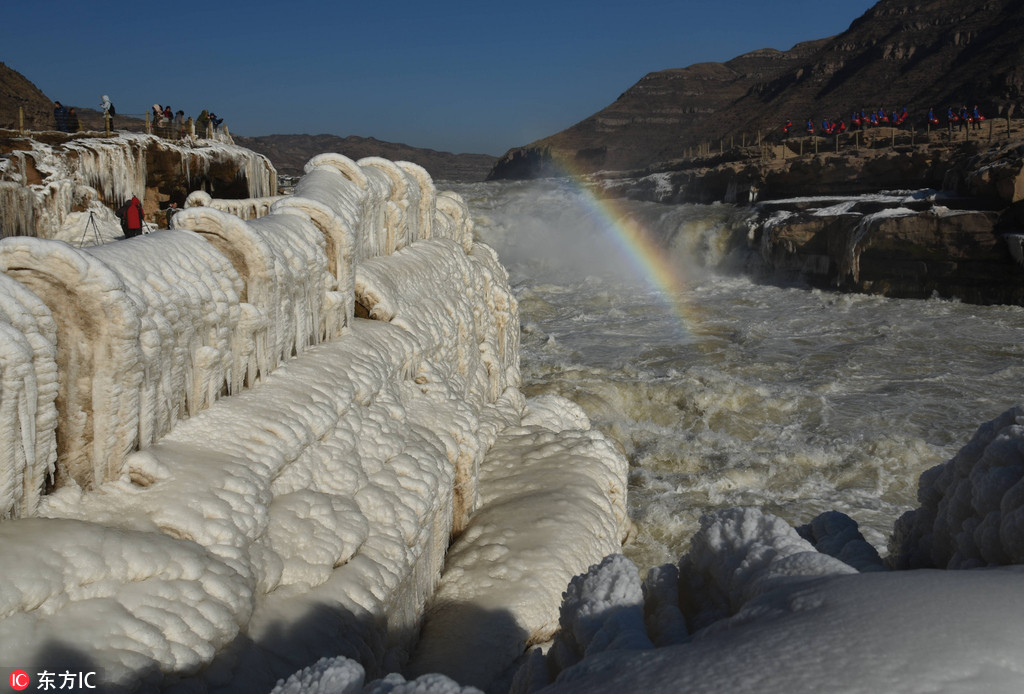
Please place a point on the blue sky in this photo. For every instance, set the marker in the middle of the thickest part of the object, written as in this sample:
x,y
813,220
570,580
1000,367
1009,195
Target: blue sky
x,y
455,76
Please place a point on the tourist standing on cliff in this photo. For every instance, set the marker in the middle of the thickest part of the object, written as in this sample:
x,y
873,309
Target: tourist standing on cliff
x,y
108,109
963,118
158,118
203,123
73,123
60,117
976,118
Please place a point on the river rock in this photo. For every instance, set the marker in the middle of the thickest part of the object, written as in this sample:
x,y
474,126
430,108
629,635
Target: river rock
x,y
999,176
897,252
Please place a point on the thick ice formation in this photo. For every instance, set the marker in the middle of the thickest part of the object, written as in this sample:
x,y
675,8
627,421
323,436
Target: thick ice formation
x,y
28,415
81,171
836,535
228,541
921,631
752,607
552,501
972,507
244,208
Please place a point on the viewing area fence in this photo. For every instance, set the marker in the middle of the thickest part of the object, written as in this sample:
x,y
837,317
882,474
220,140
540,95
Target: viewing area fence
x,y
770,143
173,129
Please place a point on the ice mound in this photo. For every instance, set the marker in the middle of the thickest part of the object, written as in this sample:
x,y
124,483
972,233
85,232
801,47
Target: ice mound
x,y
972,507
343,676
755,607
836,535
737,556
920,631
552,502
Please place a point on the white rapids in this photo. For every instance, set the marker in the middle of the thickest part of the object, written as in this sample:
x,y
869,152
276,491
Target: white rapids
x,y
772,395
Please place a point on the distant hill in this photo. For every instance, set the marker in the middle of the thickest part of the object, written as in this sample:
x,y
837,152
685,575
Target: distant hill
x,y
901,53
15,92
289,153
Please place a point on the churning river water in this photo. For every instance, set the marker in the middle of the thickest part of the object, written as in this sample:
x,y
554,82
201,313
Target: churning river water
x,y
740,391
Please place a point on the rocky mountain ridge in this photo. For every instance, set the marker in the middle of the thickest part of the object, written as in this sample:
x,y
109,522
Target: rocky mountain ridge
x,y
289,153
901,53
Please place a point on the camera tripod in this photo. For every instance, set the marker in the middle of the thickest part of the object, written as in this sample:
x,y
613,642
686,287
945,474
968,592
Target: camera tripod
x,y
91,222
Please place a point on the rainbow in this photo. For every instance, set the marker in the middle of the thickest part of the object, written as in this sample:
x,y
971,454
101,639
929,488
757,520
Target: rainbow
x,y
648,258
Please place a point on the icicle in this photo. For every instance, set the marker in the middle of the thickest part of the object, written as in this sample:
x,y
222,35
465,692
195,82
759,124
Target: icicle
x,y
24,312
17,213
17,419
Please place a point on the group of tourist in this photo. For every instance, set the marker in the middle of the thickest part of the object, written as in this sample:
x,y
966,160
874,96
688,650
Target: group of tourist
x,y
961,118
65,119
859,120
168,124
862,120
165,122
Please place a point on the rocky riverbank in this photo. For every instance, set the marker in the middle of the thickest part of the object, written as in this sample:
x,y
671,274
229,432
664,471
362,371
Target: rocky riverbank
x,y
828,218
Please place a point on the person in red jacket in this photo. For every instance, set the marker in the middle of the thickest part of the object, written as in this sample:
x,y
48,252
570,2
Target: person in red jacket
x,y
131,216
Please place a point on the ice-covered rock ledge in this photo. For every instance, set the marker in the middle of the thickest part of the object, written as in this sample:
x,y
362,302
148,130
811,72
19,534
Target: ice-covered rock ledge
x,y
214,473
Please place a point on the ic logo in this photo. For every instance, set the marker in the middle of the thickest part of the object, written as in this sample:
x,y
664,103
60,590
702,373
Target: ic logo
x,y
19,680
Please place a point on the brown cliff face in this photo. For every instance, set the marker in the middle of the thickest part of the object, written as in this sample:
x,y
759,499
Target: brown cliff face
x,y
901,53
